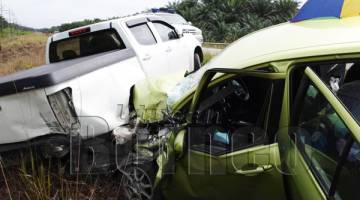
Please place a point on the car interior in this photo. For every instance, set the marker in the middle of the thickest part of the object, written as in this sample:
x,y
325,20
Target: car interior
x,y
234,114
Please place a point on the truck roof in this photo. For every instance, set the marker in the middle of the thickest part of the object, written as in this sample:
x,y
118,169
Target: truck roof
x,y
287,41
99,26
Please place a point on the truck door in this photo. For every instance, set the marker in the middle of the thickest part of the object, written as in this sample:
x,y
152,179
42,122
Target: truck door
x,y
175,50
150,53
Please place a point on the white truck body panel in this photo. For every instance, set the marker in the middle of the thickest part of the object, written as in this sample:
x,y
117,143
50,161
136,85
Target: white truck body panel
x,y
100,97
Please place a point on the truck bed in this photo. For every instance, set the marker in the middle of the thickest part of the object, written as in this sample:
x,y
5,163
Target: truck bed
x,y
55,73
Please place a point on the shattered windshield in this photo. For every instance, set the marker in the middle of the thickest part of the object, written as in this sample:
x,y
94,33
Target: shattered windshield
x,y
185,86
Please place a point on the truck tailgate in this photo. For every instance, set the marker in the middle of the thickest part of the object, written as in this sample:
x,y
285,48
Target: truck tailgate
x,y
55,73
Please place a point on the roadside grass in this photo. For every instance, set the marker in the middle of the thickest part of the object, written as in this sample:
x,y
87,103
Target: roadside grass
x,y
7,32
215,45
207,58
37,179
21,52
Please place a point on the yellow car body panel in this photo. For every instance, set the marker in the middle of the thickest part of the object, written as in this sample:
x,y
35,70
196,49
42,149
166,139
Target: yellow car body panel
x,y
280,47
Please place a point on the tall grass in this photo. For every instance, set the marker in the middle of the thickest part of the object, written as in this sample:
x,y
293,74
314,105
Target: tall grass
x,y
7,32
5,179
38,179
21,52
207,58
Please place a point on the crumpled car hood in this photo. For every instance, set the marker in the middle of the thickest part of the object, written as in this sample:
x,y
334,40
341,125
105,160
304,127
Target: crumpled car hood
x,y
151,95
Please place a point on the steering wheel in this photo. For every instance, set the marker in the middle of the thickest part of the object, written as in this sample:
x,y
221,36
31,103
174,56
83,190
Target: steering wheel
x,y
240,89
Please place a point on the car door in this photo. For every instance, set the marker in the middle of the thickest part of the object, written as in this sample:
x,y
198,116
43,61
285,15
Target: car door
x,y
319,142
150,53
176,53
219,166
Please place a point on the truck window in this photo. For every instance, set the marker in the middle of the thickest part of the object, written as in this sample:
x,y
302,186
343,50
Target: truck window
x,y
143,34
174,19
166,32
85,45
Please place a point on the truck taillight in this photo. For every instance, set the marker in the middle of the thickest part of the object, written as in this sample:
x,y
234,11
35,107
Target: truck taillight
x,y
64,111
79,31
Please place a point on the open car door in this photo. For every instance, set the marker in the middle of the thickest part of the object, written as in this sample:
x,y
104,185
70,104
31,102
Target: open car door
x,y
227,150
319,141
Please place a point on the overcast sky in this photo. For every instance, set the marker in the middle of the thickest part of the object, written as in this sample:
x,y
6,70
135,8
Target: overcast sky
x,y
47,13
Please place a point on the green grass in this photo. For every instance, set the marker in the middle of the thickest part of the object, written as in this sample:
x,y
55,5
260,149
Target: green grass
x,y
207,58
7,32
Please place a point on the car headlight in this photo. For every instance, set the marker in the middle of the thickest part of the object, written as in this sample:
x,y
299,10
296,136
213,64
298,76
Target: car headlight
x,y
63,109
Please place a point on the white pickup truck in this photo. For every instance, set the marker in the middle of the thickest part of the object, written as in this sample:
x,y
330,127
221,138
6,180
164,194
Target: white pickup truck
x,y
86,83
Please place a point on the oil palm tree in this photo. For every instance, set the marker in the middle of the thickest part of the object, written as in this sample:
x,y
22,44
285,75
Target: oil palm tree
x,y
227,20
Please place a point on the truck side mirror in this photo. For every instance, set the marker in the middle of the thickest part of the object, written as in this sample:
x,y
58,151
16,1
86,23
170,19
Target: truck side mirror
x,y
179,33
172,35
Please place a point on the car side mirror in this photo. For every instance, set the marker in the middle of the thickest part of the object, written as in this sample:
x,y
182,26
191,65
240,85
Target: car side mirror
x,y
172,35
189,22
180,33
179,143
187,73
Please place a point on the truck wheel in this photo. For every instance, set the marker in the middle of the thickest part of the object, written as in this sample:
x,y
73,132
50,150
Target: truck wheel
x,y
197,62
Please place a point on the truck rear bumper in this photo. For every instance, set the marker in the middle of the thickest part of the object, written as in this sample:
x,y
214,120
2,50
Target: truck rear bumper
x,y
28,115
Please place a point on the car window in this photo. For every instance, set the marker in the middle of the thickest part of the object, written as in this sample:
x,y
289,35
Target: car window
x,y
322,135
231,115
343,79
143,34
166,32
328,146
347,186
85,45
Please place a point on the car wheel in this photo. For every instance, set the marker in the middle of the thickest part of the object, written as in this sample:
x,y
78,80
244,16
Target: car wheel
x,y
197,62
138,183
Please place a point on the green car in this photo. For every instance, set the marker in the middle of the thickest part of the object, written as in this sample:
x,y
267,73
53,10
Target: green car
x,y
274,116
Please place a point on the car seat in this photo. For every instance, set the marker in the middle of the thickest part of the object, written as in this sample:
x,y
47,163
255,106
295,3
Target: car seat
x,y
69,54
353,73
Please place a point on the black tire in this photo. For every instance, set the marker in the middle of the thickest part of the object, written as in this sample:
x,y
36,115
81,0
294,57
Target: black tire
x,y
197,62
